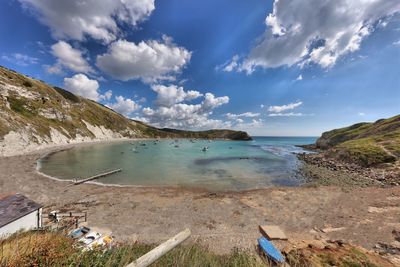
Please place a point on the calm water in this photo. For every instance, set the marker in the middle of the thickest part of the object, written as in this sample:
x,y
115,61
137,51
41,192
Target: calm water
x,y
227,165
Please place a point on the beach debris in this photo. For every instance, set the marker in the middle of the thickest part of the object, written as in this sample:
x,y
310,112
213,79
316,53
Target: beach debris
x,y
162,249
269,250
332,229
273,232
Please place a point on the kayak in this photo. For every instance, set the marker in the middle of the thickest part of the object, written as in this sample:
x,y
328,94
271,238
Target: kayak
x,y
270,250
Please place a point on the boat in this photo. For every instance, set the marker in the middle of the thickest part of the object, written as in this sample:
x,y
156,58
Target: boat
x,y
89,238
270,251
105,241
205,148
176,145
79,232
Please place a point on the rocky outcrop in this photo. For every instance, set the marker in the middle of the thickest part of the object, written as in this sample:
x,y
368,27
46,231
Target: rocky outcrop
x,y
365,144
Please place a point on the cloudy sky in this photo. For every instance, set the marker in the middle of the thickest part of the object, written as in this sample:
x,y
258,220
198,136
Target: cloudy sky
x,y
283,67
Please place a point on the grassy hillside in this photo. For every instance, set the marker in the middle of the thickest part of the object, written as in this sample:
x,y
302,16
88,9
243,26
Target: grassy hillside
x,y
367,144
40,111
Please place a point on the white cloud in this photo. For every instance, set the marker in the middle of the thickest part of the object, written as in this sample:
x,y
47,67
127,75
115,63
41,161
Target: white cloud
x,y
397,43
177,114
290,114
20,59
299,78
262,106
361,114
242,115
278,109
230,65
150,61
68,57
76,19
170,95
318,32
81,85
124,106
107,95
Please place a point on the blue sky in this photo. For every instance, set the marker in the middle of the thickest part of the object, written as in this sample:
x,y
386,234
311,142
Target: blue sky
x,y
285,68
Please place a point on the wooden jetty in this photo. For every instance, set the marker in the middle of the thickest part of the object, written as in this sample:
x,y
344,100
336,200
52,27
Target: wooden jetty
x,y
97,176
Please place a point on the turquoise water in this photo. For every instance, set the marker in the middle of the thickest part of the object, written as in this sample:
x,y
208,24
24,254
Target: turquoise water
x,y
226,165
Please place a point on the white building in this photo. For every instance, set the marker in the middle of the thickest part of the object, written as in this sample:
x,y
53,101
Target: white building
x,y
18,212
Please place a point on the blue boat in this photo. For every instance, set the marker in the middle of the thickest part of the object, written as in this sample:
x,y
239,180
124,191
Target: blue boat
x,y
270,250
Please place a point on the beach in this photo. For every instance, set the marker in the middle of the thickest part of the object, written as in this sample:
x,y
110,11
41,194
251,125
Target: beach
x,y
363,216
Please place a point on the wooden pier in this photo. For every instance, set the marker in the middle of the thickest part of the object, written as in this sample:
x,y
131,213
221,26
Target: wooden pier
x,y
97,176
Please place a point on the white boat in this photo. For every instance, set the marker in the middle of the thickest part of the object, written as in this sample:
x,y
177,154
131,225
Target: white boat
x,y
89,238
205,148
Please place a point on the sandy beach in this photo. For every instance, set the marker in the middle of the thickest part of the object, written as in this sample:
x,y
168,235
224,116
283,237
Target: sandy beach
x,y
222,221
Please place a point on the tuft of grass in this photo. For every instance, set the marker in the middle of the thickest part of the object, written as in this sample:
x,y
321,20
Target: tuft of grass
x,y
67,95
19,105
27,83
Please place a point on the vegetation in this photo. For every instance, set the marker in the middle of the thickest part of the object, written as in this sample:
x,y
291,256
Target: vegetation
x,y
54,249
30,102
46,248
367,144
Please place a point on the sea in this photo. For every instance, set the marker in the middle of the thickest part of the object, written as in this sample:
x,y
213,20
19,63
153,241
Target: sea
x,y
216,165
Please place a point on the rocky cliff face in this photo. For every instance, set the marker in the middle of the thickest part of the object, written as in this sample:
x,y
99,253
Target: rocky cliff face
x,y
34,115
366,144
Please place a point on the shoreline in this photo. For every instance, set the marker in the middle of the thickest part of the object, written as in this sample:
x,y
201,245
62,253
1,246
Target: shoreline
x,y
219,220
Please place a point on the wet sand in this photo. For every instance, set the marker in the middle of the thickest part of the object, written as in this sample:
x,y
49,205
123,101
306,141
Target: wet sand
x,y
222,221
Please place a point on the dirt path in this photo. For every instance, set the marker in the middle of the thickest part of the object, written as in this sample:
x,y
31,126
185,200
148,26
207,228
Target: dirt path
x,y
222,221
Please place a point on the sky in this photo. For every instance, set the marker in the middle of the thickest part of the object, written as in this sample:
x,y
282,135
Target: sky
x,y
283,67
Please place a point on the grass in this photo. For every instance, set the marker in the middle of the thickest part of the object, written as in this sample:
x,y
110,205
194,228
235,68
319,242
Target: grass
x,y
345,256
365,151
366,144
54,249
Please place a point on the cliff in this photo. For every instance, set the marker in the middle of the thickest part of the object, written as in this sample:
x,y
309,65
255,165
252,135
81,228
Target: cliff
x,y
34,114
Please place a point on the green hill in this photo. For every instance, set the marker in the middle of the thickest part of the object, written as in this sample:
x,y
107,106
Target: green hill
x,y
366,144
33,112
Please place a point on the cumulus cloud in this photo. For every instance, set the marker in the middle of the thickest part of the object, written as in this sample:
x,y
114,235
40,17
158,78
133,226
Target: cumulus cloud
x,y
76,19
68,57
167,96
107,95
242,115
278,109
20,59
124,106
81,85
149,61
178,114
299,78
318,32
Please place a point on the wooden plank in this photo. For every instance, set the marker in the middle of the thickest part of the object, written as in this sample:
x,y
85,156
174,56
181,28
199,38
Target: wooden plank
x,y
273,232
97,176
162,249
